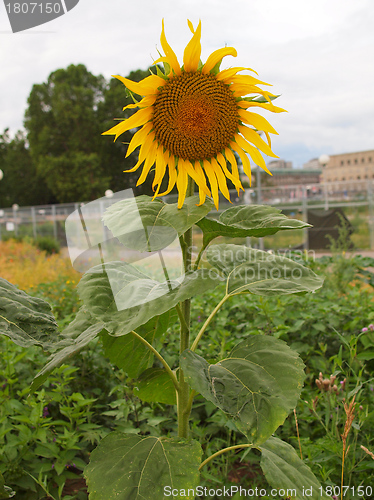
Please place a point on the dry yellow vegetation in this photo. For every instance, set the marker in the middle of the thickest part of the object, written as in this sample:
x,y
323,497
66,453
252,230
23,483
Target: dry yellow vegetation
x,y
26,266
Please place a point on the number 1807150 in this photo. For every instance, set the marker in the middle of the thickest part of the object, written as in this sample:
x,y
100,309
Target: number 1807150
x,y
33,7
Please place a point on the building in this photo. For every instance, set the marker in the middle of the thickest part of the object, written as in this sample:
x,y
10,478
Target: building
x,y
349,167
288,177
277,164
312,164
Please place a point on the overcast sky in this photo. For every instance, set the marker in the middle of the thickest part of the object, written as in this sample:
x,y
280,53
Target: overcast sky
x,y
318,54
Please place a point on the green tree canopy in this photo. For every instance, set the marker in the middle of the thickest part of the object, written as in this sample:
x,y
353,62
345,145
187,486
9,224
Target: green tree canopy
x,y
63,132
21,183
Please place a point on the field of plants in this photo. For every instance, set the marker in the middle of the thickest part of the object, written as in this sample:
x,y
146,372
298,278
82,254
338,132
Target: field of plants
x,y
46,438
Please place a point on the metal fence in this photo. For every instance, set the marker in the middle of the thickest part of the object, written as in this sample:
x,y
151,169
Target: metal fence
x,y
294,200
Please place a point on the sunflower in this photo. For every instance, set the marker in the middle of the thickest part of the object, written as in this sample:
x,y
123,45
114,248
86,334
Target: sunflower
x,y
193,118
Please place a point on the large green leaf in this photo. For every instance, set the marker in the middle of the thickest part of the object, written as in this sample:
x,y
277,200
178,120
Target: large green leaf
x,y
24,319
128,352
74,338
248,220
261,273
124,298
257,384
131,467
145,225
284,470
155,385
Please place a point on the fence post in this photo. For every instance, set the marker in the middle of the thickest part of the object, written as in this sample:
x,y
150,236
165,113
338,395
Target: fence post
x,y
33,222
326,193
54,222
305,217
259,199
14,209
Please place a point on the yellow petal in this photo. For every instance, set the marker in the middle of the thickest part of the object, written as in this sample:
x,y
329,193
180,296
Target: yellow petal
x,y
234,167
256,121
228,73
192,52
208,169
266,105
136,120
182,182
133,169
196,175
202,197
144,151
190,25
245,161
172,58
222,183
240,90
144,103
148,85
172,176
217,56
253,137
201,175
245,80
149,162
268,138
161,162
142,154
256,156
138,138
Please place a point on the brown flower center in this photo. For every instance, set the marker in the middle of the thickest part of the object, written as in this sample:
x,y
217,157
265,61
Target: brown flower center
x,y
195,116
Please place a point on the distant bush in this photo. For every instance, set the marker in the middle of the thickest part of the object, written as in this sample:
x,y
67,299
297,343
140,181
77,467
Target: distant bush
x,y
47,244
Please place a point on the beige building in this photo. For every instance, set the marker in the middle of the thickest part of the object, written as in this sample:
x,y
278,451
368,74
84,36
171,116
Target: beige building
x,y
288,177
349,167
276,164
312,164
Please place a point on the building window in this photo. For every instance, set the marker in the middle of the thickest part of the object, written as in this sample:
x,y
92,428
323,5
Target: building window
x,y
342,162
343,178
370,159
362,160
358,177
348,162
356,161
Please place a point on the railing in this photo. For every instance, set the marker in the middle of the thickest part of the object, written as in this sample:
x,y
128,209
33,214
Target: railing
x,y
49,220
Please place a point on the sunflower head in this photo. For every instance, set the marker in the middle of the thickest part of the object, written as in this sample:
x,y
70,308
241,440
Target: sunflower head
x,y
193,118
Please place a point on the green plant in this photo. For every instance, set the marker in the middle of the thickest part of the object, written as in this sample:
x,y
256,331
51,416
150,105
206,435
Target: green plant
x,y
133,338
47,244
45,438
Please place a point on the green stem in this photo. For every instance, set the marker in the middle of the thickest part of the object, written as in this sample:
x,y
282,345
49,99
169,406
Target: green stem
x,y
180,315
197,261
158,355
190,401
207,322
218,453
184,390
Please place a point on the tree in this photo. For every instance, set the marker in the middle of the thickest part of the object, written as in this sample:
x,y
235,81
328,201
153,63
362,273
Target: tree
x,y
64,133
21,183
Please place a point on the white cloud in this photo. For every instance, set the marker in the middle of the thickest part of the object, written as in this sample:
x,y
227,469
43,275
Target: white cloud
x,y
318,54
